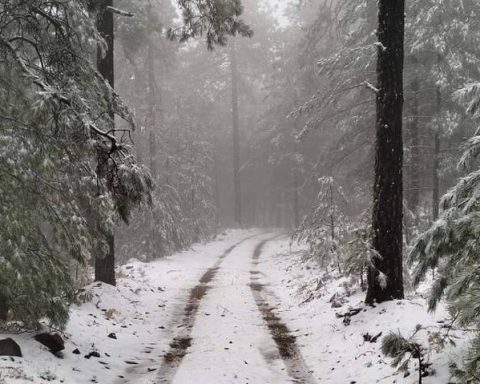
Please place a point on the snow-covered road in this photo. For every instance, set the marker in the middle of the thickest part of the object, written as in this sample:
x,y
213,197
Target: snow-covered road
x,y
230,340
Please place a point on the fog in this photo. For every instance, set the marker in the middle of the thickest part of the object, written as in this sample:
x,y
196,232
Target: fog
x,y
303,117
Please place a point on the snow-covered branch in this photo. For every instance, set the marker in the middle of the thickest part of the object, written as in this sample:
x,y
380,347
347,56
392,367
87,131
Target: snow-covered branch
x,y
371,86
120,12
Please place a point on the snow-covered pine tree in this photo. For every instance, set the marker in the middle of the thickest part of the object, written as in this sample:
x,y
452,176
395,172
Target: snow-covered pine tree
x,y
451,245
215,20
54,138
324,228
441,38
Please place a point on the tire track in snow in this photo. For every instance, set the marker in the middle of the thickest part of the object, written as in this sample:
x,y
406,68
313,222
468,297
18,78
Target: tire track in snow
x,y
182,341
282,336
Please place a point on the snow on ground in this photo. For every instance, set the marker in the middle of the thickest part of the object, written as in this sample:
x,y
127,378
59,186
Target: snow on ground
x,y
140,311
338,353
235,316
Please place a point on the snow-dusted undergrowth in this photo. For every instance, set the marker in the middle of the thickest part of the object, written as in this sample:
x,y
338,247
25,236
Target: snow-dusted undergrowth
x,y
338,353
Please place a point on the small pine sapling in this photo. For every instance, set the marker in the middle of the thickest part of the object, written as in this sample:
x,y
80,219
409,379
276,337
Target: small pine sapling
x,y
324,228
403,350
359,254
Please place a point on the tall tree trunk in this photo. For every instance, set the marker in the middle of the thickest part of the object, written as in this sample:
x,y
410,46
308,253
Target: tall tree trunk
x,y
388,184
414,166
436,176
105,266
236,138
4,307
436,161
332,229
153,95
152,113
296,199
216,173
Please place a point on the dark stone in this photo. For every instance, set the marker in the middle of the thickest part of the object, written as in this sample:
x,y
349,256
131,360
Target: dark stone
x,y
76,351
92,354
53,341
112,336
8,347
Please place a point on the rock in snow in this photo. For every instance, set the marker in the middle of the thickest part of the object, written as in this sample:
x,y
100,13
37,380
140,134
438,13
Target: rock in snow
x,y
8,347
53,341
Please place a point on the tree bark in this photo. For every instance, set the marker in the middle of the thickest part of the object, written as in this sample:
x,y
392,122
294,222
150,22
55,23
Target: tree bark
x,y
105,63
4,307
152,113
216,173
236,138
436,162
436,176
105,266
388,184
153,93
296,198
414,166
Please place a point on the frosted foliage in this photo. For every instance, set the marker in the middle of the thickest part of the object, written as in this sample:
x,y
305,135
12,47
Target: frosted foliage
x,y
65,178
451,245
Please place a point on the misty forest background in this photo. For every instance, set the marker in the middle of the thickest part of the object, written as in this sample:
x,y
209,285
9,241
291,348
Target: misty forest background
x,y
122,137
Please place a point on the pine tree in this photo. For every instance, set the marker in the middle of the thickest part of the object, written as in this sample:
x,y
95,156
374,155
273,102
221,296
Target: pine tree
x,y
388,184
236,138
451,245
324,228
54,134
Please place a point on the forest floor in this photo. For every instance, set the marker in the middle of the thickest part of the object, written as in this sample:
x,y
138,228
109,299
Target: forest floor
x,y
245,308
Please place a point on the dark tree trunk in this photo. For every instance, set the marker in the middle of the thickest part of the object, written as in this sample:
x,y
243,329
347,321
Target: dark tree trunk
x,y
388,184
153,92
436,176
296,198
414,166
436,164
216,173
105,266
105,27
4,307
152,113
236,139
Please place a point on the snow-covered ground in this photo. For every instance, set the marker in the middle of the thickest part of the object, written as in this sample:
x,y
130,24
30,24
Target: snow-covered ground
x,y
338,353
241,309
